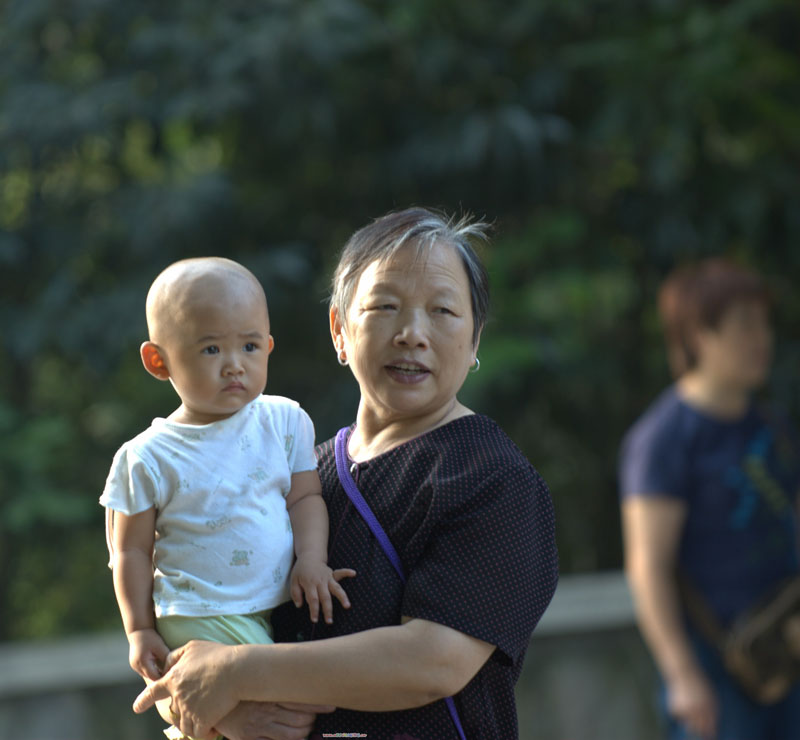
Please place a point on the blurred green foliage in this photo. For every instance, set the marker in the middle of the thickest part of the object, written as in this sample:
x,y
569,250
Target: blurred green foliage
x,y
607,142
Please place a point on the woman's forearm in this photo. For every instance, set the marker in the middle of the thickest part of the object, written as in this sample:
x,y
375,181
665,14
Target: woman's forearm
x,y
652,527
382,669
659,615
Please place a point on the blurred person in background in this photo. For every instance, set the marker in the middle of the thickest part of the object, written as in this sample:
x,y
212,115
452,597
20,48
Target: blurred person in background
x,y
709,482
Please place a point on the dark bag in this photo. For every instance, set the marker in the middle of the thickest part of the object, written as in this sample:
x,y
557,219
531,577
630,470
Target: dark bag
x,y
761,649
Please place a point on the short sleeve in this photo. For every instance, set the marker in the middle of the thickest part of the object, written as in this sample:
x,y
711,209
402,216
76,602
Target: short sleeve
x,y
300,443
653,461
494,553
131,486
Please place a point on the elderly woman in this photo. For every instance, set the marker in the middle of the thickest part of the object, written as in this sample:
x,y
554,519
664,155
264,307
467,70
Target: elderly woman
x,y
470,518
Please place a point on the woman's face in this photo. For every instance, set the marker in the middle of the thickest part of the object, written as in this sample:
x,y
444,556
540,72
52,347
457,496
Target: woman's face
x,y
408,334
739,351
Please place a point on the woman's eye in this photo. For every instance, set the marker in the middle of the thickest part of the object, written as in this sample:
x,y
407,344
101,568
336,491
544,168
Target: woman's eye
x,y
445,310
212,350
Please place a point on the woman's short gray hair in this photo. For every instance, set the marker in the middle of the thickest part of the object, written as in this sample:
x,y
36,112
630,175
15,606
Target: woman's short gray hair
x,y
423,228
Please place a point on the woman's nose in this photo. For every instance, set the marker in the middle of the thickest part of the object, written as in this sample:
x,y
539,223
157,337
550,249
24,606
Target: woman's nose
x,y
412,331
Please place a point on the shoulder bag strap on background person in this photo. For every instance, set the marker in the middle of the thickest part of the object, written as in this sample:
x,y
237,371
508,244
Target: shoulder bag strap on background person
x,y
351,489
700,614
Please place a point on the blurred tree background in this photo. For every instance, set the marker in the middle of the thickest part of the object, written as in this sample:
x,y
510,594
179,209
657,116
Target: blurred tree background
x,y
606,141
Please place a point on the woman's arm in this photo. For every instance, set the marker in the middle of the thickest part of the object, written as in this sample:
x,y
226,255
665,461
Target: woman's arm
x,y
652,528
381,669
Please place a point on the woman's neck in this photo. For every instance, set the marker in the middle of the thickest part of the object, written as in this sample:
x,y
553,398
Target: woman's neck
x,y
714,397
375,434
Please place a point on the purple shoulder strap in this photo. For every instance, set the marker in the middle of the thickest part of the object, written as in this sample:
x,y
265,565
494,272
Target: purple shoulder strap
x,y
351,489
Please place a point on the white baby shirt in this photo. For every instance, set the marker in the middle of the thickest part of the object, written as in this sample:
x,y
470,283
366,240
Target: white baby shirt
x,y
223,536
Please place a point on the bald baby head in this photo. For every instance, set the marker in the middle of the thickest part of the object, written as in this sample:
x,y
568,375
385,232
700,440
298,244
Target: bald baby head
x,y
187,286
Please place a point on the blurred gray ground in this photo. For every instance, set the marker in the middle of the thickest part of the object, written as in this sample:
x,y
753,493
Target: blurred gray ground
x,y
587,676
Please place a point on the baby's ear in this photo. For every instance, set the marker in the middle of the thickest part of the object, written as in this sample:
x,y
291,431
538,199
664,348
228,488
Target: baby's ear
x,y
153,361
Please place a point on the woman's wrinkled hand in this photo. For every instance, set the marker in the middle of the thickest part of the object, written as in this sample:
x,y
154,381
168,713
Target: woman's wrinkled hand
x,y
268,721
199,678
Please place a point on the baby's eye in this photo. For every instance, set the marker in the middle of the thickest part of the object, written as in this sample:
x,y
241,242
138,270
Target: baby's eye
x,y
250,347
211,350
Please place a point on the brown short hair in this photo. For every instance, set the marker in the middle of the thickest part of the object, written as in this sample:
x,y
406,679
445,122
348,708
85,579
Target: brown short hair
x,y
696,297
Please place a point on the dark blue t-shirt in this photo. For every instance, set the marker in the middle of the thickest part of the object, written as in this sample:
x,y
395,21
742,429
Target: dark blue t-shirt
x,y
739,480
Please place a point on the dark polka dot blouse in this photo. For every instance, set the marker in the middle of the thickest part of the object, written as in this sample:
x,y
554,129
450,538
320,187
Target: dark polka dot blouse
x,y
473,524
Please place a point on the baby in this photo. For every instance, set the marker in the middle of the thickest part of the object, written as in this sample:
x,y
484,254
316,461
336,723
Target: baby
x,y
202,508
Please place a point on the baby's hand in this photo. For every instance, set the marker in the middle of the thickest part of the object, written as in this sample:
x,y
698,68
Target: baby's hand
x,y
314,578
147,653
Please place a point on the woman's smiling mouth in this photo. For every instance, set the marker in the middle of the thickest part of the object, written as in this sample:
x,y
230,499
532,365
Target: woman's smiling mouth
x,y
407,372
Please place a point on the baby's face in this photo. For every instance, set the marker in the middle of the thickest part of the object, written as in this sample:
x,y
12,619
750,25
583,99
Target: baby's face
x,y
217,354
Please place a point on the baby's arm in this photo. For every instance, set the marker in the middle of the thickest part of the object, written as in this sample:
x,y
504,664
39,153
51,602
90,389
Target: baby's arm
x,y
133,538
311,574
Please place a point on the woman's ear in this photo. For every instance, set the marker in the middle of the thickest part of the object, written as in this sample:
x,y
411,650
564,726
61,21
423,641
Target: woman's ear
x,y
477,343
153,361
337,335
336,329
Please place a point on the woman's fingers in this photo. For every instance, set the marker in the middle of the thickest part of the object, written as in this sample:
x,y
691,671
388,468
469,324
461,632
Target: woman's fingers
x,y
173,657
158,689
200,689
261,720
192,727
150,695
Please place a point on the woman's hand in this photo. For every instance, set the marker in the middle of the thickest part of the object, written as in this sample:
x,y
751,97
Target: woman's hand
x,y
691,700
267,721
200,679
